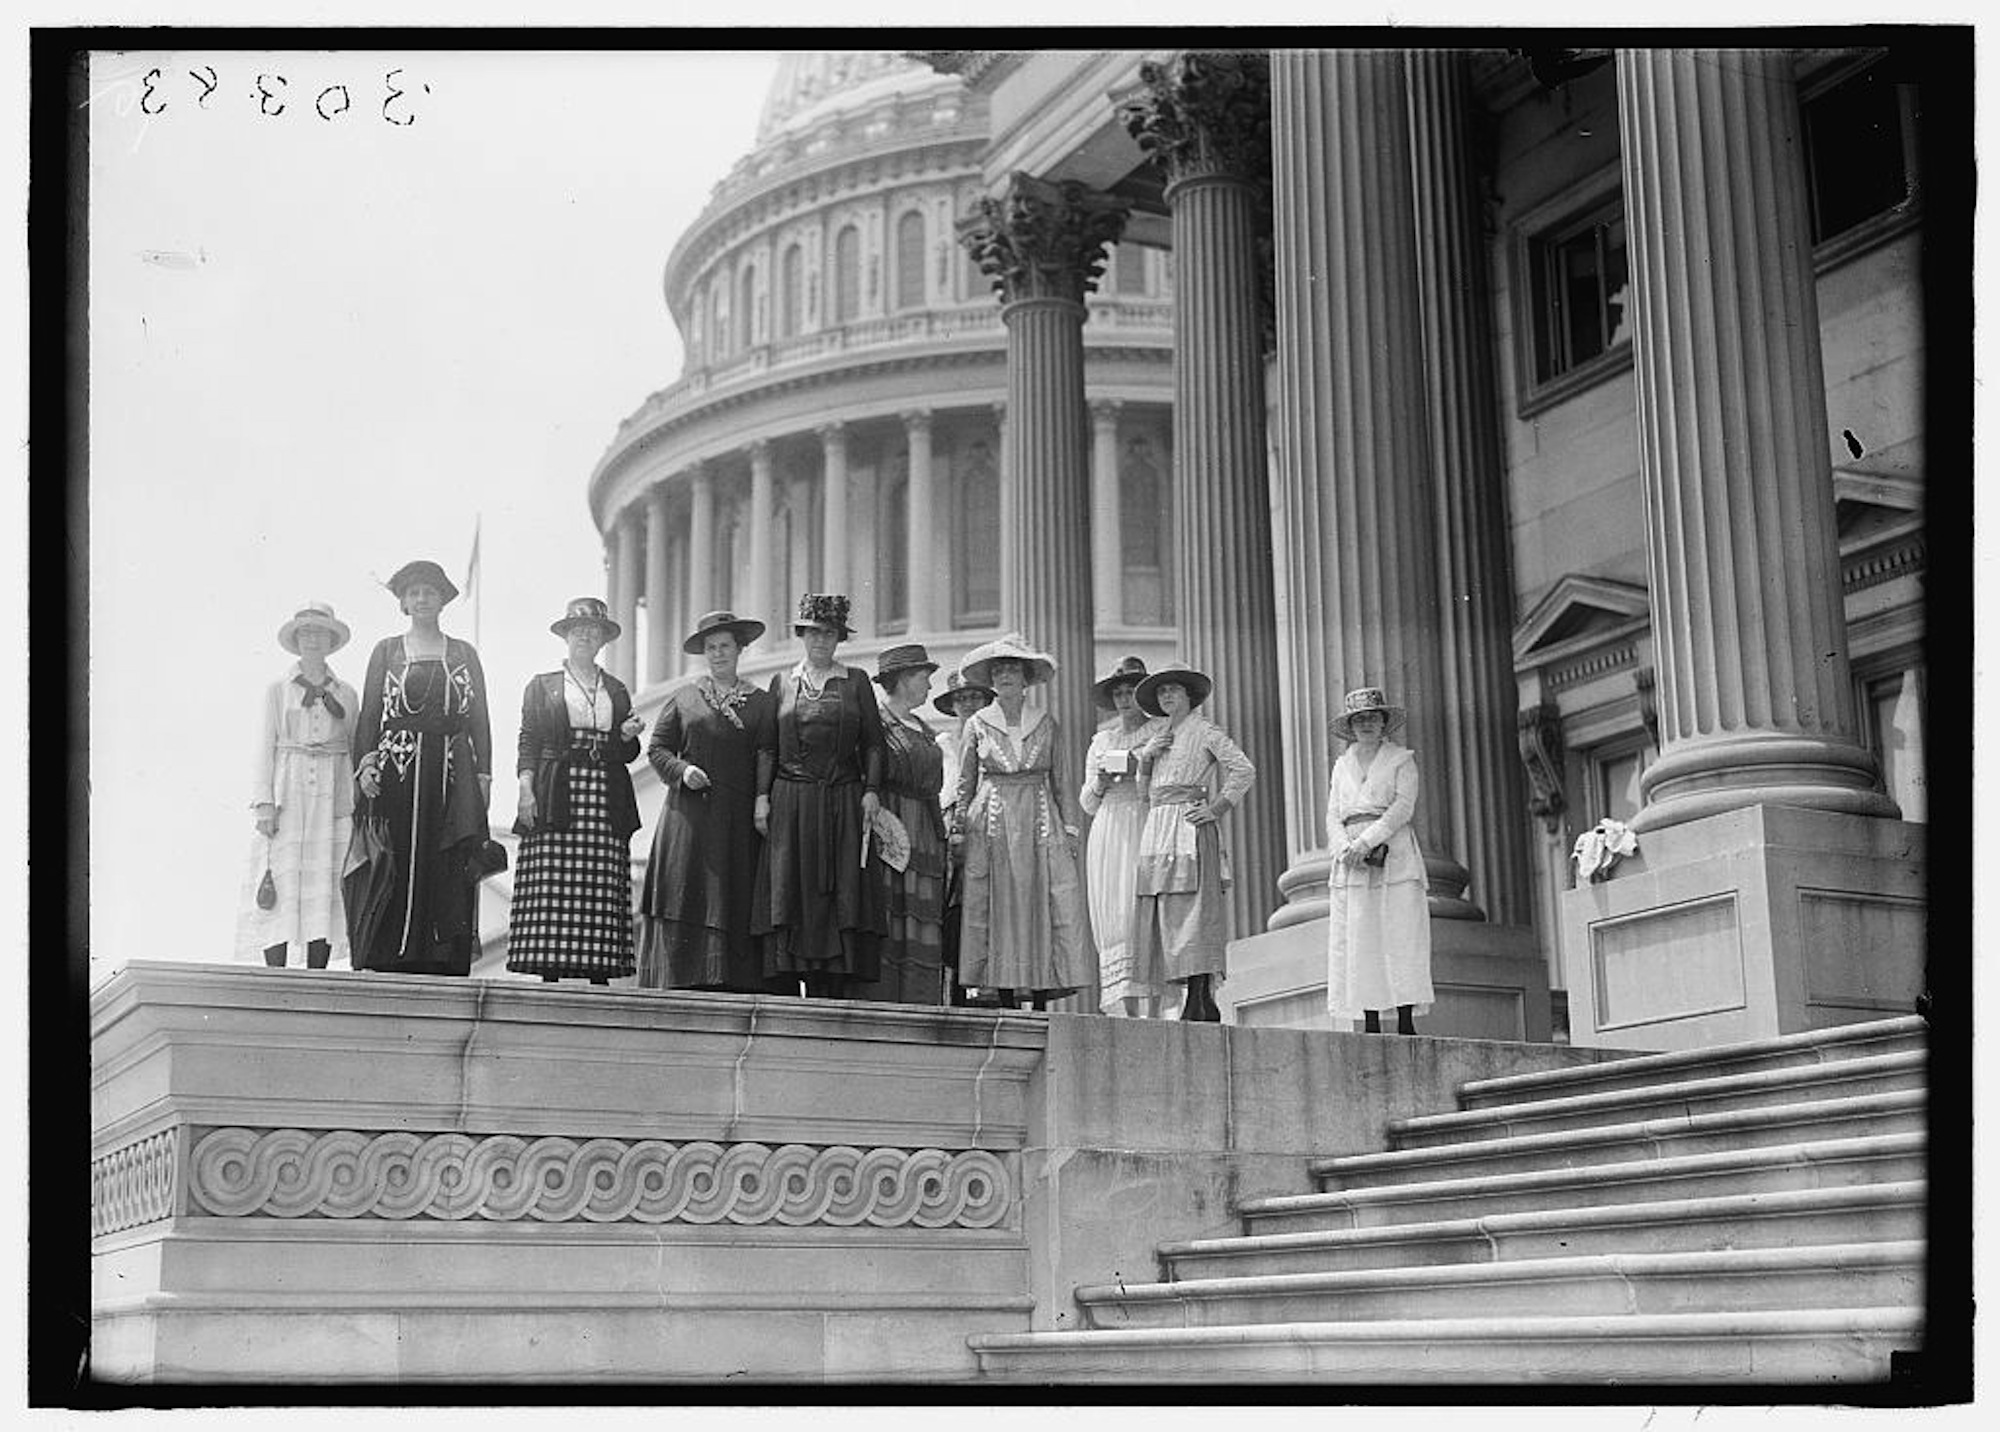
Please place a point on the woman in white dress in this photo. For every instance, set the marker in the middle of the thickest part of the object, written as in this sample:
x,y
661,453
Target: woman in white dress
x,y
303,797
1180,921
1110,796
1379,934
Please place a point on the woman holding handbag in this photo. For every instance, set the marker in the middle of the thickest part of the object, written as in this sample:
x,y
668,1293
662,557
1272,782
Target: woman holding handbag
x,y
303,799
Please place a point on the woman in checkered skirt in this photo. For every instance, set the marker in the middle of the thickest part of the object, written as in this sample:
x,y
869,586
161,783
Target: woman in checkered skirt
x,y
572,912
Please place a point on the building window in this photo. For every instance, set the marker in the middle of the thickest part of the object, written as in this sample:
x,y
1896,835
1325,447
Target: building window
x,y
910,260
746,306
718,310
975,532
1861,150
892,545
1145,525
1893,708
789,293
1578,285
1130,269
847,275
1614,780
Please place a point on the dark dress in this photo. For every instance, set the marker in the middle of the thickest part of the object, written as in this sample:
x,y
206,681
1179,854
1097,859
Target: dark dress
x,y
913,898
572,909
427,721
815,910
699,883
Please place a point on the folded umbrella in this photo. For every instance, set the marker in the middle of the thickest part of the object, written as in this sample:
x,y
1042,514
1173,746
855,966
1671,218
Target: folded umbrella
x,y
367,883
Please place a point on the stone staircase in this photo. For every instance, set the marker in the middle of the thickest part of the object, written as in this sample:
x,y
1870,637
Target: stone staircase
x,y
1750,1213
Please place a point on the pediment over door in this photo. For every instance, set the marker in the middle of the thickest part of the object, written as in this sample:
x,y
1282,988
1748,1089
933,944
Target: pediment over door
x,y
1577,615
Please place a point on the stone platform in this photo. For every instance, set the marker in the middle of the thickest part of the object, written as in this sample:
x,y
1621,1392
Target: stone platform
x,y
339,1177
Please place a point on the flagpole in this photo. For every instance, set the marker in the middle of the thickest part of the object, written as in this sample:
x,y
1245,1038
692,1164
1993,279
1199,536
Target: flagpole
x,y
472,579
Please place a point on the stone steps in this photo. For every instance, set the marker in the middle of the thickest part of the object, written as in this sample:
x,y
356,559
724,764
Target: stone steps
x,y
1795,1346
1750,1220
1807,1120
1873,1274
1898,1072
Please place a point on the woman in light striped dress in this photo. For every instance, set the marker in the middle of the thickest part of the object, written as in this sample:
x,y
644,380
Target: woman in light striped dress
x,y
1110,796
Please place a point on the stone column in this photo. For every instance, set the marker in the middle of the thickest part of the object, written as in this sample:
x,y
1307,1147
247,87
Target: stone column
x,y
762,589
660,642
1010,613
701,544
1207,118
1044,244
1361,567
1484,811
1107,562
625,571
1749,632
833,455
922,562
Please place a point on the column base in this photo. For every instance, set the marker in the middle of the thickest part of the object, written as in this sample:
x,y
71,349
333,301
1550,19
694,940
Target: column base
x,y
1492,981
1762,921
1303,886
1707,778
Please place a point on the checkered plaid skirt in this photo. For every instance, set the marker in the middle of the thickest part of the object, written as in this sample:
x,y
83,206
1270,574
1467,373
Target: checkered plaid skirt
x,y
572,912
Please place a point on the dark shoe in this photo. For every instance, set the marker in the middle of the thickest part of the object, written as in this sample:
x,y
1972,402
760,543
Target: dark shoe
x,y
1371,1021
318,952
1405,1023
274,956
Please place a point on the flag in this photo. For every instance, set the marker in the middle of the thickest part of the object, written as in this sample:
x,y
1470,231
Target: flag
x,y
470,585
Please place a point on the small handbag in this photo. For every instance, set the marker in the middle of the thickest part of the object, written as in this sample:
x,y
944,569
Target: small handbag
x,y
267,888
1378,856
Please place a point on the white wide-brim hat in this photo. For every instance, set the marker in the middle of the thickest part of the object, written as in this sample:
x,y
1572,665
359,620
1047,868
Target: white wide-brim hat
x,y
977,665
313,614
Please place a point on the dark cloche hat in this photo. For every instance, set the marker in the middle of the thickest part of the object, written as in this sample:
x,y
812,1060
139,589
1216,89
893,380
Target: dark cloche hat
x,y
899,659
1193,682
747,630
421,570
1129,672
954,685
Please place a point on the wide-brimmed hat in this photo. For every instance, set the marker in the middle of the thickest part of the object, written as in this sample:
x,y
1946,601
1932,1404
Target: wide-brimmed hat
x,y
1189,680
1363,699
586,609
747,630
421,570
1129,672
825,610
947,699
313,614
977,665
899,659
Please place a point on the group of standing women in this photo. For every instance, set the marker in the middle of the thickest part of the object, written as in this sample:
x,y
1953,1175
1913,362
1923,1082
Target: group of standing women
x,y
814,837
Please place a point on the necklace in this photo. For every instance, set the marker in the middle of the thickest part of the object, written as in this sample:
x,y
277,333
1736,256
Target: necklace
x,y
403,679
589,693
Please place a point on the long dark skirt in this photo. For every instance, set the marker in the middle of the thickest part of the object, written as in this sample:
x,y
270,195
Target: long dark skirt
x,y
817,911
572,914
437,824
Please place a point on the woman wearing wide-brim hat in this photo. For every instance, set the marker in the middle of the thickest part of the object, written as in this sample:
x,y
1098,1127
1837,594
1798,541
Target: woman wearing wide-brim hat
x,y
302,794
959,700
1024,927
912,964
423,745
815,912
707,744
1191,775
575,811
1378,929
1110,796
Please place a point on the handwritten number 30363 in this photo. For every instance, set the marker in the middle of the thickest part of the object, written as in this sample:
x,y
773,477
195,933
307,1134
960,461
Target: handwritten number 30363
x,y
274,98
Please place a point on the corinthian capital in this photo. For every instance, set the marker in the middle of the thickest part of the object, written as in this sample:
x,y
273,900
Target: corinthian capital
x,y
1040,239
1204,114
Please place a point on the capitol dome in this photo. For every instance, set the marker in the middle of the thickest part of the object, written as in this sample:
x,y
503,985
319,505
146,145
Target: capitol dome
x,y
839,421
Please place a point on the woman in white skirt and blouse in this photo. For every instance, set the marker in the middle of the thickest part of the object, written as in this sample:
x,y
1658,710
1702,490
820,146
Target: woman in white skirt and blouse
x,y
1379,930
303,798
1110,797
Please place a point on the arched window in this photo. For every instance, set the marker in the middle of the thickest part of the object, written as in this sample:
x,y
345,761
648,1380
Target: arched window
x,y
847,275
892,543
910,260
1131,269
791,294
1145,522
746,306
975,529
718,312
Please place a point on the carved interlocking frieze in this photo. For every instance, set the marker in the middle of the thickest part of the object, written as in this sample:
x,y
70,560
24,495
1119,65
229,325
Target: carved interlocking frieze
x,y
298,1173
134,1184
1041,239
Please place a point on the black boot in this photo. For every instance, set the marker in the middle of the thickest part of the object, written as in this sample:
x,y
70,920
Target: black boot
x,y
1006,999
274,956
318,952
1405,1019
1038,1000
1371,1021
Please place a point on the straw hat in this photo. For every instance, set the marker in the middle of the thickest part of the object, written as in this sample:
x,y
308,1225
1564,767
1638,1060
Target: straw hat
x,y
586,609
422,570
899,659
826,611
947,699
1362,699
977,665
747,630
313,614
1131,671
1193,682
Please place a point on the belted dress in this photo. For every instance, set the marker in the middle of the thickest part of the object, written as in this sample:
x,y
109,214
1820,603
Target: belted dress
x,y
1180,920
1378,952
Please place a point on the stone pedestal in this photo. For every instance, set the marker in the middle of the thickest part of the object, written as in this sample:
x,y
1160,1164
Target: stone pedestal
x,y
1492,981
1760,921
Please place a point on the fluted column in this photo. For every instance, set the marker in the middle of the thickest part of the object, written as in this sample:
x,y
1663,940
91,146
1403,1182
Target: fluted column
x,y
625,570
1044,244
762,590
1361,568
1485,808
1107,562
1749,634
1010,536
833,461
701,543
1206,117
660,643
921,562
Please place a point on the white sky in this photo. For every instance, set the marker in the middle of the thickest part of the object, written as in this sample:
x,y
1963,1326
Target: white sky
x,y
320,348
